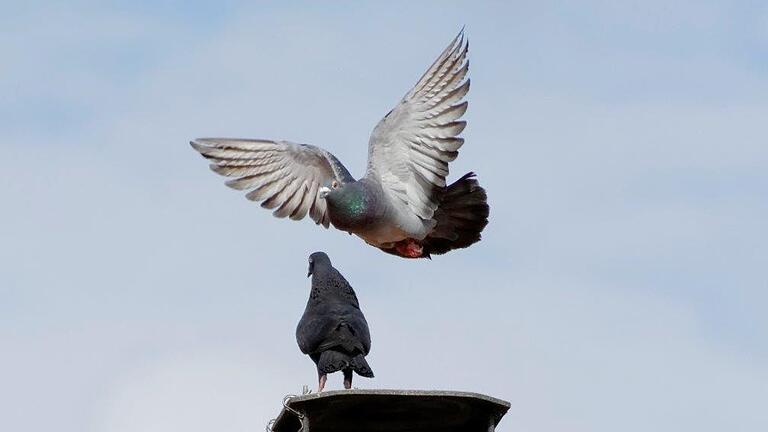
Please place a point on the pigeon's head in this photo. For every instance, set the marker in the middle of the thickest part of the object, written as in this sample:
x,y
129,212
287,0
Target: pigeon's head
x,y
331,187
317,259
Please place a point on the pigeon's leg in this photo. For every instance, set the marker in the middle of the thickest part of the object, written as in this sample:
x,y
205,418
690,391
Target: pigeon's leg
x,y
347,379
409,248
322,378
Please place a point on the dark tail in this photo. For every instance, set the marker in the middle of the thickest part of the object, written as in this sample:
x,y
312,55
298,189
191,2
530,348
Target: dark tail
x,y
461,217
360,365
331,361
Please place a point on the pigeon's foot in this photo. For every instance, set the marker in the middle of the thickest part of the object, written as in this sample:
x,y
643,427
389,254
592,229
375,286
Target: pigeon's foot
x,y
321,382
409,248
347,379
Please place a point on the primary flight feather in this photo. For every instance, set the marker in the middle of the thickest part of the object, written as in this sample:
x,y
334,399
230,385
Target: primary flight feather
x,y
403,204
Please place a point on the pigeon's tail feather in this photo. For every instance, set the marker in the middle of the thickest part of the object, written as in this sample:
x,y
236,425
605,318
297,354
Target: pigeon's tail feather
x,y
461,217
332,361
360,365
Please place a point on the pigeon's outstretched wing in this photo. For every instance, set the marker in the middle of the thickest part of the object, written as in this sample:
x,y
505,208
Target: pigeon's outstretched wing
x,y
410,148
283,175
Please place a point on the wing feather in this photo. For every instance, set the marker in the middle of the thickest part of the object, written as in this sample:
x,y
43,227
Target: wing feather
x,y
410,148
289,205
281,192
284,176
301,209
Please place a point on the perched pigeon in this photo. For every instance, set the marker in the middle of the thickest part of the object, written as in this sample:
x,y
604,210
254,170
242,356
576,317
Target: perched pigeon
x,y
333,330
402,205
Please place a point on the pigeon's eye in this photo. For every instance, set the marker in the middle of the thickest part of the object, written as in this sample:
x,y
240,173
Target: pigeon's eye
x,y
335,184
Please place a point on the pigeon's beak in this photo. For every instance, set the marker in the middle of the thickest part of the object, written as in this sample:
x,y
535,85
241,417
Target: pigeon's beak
x,y
309,271
324,191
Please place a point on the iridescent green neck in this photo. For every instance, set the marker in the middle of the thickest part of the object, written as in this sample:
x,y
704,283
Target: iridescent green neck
x,y
354,202
351,207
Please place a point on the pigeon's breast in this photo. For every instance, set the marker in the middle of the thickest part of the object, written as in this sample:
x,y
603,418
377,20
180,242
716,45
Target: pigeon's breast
x,y
368,220
382,235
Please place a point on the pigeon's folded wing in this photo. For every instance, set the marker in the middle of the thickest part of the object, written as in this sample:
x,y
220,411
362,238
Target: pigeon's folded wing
x,y
360,327
410,148
313,330
350,334
285,176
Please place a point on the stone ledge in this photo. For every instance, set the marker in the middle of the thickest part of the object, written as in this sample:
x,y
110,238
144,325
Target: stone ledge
x,y
391,411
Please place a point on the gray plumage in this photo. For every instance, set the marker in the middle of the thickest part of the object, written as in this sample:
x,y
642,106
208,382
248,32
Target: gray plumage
x,y
397,205
333,330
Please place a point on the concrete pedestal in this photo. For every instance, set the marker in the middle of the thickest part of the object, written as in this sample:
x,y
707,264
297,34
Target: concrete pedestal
x,y
391,411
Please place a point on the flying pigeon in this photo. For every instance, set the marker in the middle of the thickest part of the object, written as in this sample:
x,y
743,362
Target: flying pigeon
x,y
402,205
333,330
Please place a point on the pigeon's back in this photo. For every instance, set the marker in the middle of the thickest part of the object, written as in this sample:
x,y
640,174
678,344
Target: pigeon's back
x,y
333,287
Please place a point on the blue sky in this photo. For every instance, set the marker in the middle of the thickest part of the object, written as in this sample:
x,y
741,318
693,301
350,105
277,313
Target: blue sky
x,y
621,282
